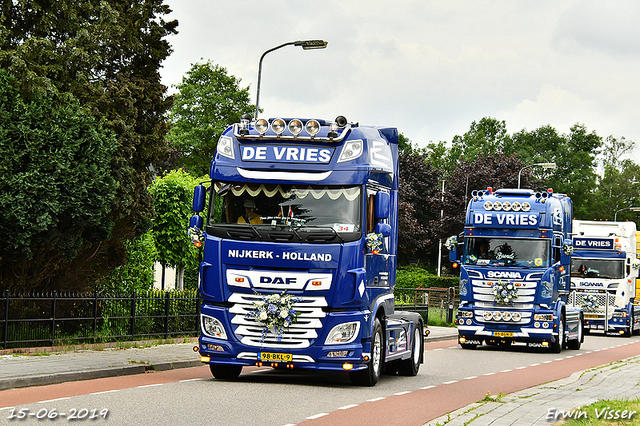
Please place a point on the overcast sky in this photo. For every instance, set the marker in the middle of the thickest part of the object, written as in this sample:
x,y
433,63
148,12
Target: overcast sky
x,y
429,68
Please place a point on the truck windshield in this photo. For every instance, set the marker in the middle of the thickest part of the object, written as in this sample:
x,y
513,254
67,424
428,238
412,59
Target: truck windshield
x,y
507,252
297,207
597,268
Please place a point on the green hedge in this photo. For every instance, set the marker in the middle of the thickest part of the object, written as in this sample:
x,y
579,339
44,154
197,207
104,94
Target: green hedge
x,y
416,277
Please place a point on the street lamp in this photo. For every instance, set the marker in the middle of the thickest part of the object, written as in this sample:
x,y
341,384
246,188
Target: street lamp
x,y
305,44
543,165
633,209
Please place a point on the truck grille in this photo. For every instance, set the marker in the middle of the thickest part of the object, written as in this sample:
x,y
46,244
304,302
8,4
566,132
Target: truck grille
x,y
577,299
298,335
483,292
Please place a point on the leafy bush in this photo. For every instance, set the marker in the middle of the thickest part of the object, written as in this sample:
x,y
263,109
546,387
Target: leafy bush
x,y
136,274
416,277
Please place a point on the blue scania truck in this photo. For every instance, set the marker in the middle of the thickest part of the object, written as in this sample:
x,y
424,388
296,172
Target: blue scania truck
x,y
515,256
300,250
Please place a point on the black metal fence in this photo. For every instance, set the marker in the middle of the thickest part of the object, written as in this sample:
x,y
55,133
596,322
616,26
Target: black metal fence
x,y
50,319
31,320
439,301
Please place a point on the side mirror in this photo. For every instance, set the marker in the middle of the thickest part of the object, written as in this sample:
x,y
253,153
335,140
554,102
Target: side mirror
x,y
384,229
195,221
382,205
566,251
198,198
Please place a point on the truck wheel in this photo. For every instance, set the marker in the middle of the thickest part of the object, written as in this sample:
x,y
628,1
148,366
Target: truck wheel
x,y
556,347
629,331
370,375
575,344
411,366
225,372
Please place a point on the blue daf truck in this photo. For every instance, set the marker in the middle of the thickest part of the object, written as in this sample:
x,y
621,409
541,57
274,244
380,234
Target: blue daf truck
x,y
300,249
515,256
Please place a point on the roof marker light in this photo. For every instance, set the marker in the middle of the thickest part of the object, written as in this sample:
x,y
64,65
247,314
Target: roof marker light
x,y
278,125
262,126
295,126
312,127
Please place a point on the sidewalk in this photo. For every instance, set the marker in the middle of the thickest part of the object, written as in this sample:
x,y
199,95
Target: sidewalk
x,y
546,404
46,366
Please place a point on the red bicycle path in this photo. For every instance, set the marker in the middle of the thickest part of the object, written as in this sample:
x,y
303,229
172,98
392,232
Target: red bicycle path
x,y
414,408
421,406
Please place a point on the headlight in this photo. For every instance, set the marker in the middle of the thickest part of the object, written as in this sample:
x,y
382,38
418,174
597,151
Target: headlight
x,y
225,147
515,206
507,316
487,316
351,151
488,205
620,314
497,315
497,205
212,327
516,316
343,333
526,207
465,314
506,206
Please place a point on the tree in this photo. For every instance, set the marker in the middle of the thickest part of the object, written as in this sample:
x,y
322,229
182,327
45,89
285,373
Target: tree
x,y
107,55
173,195
618,186
574,154
56,187
207,102
419,206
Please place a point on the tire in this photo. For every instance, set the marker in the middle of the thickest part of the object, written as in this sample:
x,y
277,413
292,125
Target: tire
x,y
556,347
629,332
575,344
225,372
370,375
411,366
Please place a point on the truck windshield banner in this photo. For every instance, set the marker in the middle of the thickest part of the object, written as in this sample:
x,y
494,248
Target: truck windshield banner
x,y
506,220
287,154
593,243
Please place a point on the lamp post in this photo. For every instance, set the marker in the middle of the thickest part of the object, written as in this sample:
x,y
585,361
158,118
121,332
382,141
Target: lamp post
x,y
633,209
305,44
543,165
440,240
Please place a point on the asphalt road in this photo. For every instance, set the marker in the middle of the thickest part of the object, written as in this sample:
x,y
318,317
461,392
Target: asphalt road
x,y
450,378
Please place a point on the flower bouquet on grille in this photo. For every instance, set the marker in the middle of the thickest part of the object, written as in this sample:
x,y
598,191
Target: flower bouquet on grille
x,y
505,292
589,302
275,312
